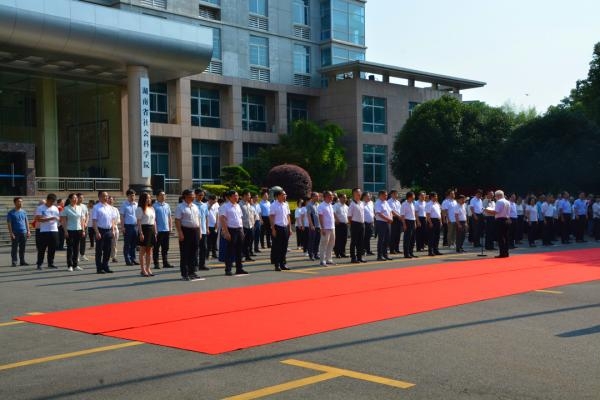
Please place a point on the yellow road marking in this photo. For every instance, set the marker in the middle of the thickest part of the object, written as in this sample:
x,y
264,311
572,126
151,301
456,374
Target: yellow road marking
x,y
35,313
350,374
68,355
549,291
257,394
19,322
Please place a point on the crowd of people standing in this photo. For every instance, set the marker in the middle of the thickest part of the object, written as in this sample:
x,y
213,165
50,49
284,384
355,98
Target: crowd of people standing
x,y
237,226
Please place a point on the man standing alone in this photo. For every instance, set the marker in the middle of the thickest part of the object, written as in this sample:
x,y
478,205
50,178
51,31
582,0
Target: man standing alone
x,y
18,229
47,216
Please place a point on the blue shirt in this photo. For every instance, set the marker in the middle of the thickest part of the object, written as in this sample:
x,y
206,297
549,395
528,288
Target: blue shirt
x,y
163,216
18,220
203,214
265,207
128,212
580,207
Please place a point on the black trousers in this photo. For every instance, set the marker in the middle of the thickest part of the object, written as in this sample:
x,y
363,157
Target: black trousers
x,y
532,233
248,239
421,234
103,249
49,241
18,243
520,228
91,236
445,234
548,230
314,238
383,238
82,242
235,245
265,232
369,228
341,239
434,235
162,245
357,239
565,228
189,250
502,232
395,234
461,233
212,242
279,246
512,232
201,260
73,245
490,229
580,224
409,237
597,228
478,226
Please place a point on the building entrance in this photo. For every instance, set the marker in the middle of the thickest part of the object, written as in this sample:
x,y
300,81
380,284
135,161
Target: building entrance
x,y
13,173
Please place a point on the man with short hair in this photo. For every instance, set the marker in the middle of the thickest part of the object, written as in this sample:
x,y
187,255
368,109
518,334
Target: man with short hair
x,y
433,214
230,218
129,227
460,216
281,230
314,227
396,227
18,230
327,223
212,220
203,214
383,220
356,217
115,239
580,207
248,218
501,214
164,225
340,213
187,222
490,223
565,213
476,207
409,221
103,221
47,215
421,231
265,206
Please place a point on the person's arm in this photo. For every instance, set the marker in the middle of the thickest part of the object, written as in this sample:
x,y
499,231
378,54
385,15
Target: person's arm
x,y
289,217
321,224
224,230
179,230
272,222
63,225
10,231
139,224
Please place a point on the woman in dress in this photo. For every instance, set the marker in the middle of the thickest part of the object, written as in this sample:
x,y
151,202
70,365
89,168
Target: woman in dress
x,y
146,224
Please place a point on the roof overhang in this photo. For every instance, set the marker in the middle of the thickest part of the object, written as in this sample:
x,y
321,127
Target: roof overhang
x,y
75,38
399,72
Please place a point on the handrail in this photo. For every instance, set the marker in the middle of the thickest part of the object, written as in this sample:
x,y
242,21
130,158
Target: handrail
x,y
63,183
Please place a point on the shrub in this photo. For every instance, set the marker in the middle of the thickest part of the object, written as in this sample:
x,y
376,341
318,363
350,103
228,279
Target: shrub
x,y
293,179
217,190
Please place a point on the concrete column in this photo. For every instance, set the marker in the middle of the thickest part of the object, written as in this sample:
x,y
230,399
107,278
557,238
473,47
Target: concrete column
x,y
136,181
47,135
281,120
183,119
237,153
411,83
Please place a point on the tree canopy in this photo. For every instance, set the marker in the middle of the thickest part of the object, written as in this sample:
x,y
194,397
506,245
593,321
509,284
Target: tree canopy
x,y
586,94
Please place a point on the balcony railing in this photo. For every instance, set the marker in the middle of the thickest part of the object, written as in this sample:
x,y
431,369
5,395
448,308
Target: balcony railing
x,y
70,184
172,186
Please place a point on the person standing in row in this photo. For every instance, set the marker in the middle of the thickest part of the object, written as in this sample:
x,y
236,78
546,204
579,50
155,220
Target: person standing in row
x,y
548,211
565,216
596,218
460,216
501,214
84,225
340,213
281,230
369,222
47,216
164,225
257,224
314,227
146,226
531,216
128,227
90,229
433,213
265,206
248,219
409,224
356,217
476,206
383,220
213,221
72,224
187,223
580,214
490,223
299,215
230,219
421,232
202,239
115,239
103,220
396,227
327,223
18,230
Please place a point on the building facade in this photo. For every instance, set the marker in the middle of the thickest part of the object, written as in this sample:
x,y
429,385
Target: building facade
x,y
257,66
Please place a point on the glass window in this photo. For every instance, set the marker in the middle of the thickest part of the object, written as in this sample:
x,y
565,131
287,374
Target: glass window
x,y
159,103
411,107
160,155
215,2
297,109
254,117
250,150
374,167
374,120
301,59
205,105
343,20
300,12
206,164
339,55
258,7
259,51
326,56
216,54
325,20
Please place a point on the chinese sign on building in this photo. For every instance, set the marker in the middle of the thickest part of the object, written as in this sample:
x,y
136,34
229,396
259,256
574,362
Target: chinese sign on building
x,y
145,126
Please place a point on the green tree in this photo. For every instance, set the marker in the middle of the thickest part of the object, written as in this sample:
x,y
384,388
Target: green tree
x,y
237,178
586,94
316,149
449,143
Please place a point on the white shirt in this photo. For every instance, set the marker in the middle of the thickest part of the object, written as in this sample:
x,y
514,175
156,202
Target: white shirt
x,y
369,212
299,216
433,209
532,213
213,214
232,213
74,216
407,210
502,209
146,218
513,210
548,209
188,214
460,211
383,208
103,214
596,210
47,212
280,212
340,210
420,208
356,212
325,210
477,205
448,205
395,206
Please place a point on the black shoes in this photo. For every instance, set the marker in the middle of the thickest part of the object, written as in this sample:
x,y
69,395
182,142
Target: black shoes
x,y
228,273
203,268
241,272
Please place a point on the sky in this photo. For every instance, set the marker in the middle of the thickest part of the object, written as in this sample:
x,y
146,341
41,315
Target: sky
x,y
530,53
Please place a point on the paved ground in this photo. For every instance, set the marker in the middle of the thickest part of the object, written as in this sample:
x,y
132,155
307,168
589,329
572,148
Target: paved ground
x,y
539,345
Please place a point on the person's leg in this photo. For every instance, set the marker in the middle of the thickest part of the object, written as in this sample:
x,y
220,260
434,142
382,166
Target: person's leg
x,y
52,245
70,244
14,245
106,247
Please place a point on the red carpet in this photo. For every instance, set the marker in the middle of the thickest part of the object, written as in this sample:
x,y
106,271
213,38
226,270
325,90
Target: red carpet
x,y
225,320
